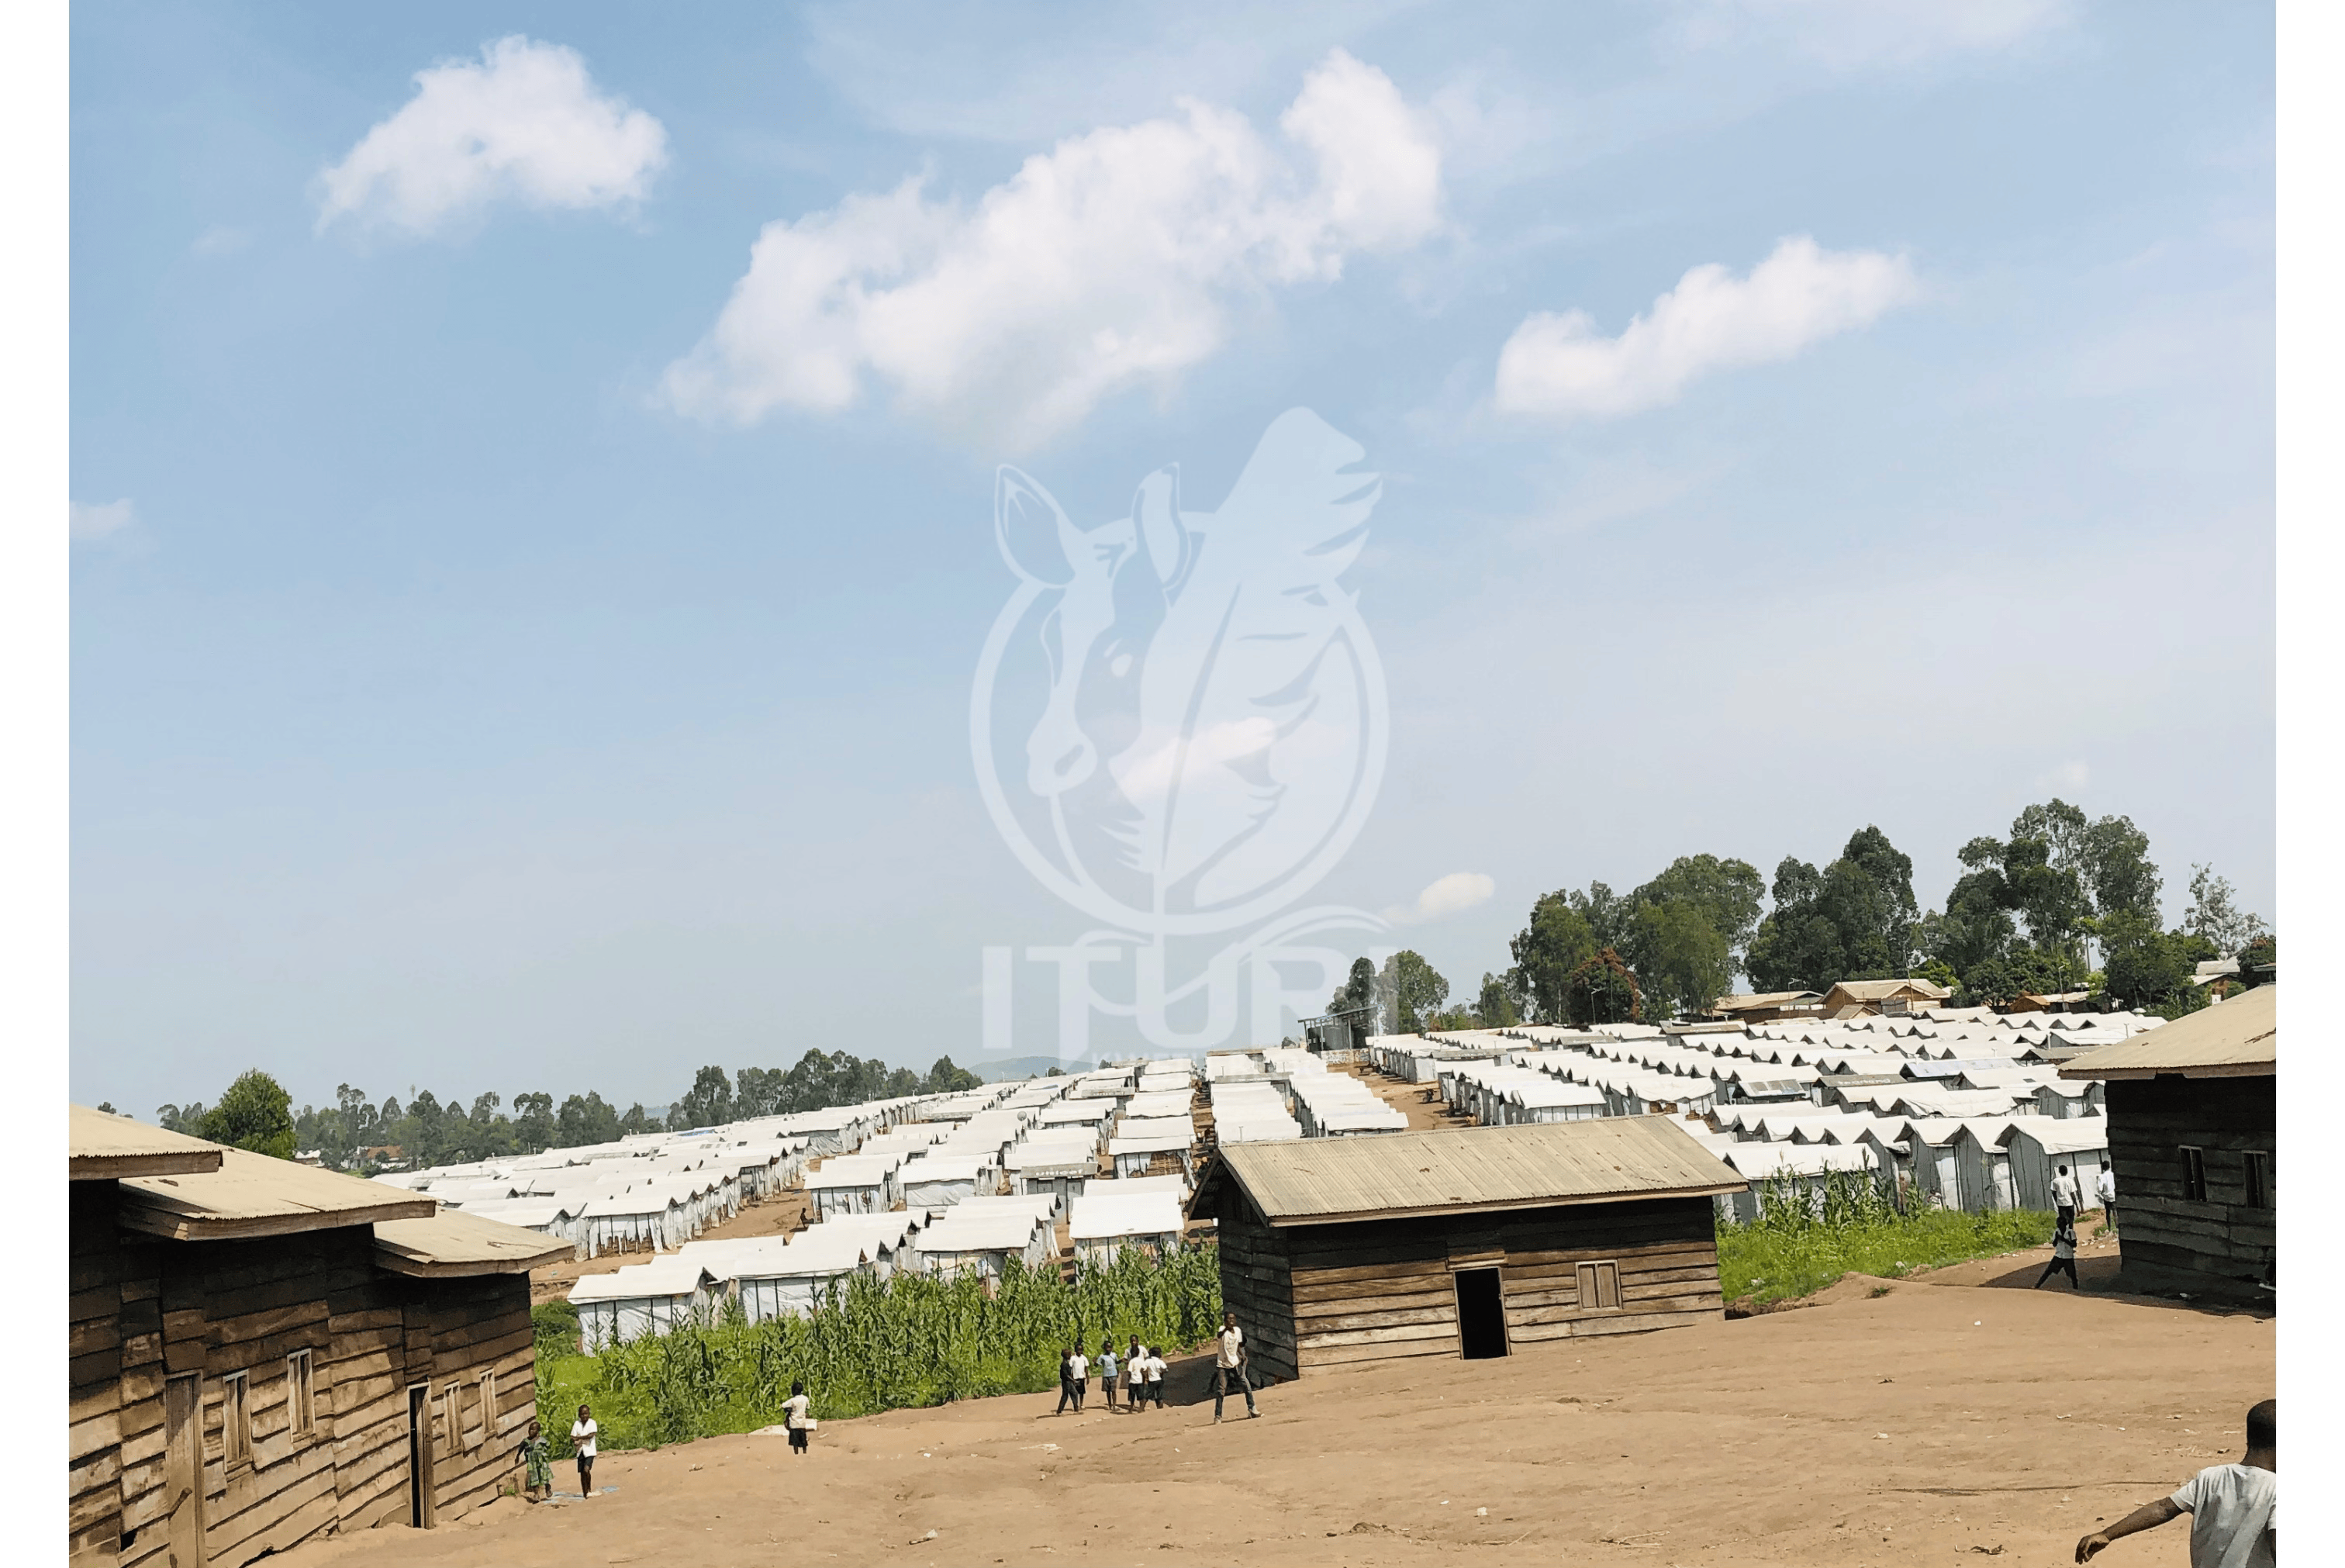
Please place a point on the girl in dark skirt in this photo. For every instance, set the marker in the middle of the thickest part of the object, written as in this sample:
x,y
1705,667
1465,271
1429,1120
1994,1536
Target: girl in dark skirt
x,y
794,1416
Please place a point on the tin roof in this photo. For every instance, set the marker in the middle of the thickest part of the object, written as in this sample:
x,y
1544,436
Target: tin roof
x,y
1608,1159
452,1243
252,1194
2234,1039
106,1147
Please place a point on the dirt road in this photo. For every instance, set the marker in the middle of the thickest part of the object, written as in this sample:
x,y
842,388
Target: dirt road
x,y
1927,1424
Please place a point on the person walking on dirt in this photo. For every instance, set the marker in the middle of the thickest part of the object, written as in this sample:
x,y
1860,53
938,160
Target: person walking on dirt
x,y
1070,1391
2064,1200
1080,1365
2064,1259
1230,1365
1135,1374
1107,1371
582,1437
794,1417
2234,1509
2105,1187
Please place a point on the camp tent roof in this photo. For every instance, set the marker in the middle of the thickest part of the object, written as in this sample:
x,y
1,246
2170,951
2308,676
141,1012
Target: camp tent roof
x,y
106,1147
1321,1181
2234,1039
253,1195
2058,1134
452,1243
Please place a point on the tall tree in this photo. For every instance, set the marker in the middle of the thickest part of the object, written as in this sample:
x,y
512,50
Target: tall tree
x,y
2215,913
534,1122
2117,869
1359,990
1495,1007
707,1104
1418,990
1681,957
255,1113
1854,919
1602,991
1557,940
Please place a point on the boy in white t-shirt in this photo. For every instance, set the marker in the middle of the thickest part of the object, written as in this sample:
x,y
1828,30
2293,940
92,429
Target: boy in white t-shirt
x,y
1078,1366
2234,1509
582,1437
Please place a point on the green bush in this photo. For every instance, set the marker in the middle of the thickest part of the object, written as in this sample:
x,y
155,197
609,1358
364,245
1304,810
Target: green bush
x,y
1802,1243
913,1340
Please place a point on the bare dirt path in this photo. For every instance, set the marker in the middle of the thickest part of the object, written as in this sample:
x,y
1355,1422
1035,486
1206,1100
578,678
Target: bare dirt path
x,y
1421,1103
1929,1424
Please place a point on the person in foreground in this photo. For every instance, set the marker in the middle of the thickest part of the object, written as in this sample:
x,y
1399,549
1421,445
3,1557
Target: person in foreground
x,y
2234,1509
582,1437
1230,1365
538,1456
794,1416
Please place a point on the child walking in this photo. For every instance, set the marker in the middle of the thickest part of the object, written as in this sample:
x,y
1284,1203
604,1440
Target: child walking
x,y
794,1416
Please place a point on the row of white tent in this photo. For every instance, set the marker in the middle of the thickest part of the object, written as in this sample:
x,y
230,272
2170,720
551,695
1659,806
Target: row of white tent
x,y
922,1193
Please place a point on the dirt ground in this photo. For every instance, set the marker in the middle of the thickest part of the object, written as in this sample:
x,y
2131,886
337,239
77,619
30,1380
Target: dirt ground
x,y
1928,1423
1421,1103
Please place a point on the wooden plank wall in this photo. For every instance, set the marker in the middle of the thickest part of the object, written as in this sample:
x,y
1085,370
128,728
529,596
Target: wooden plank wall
x,y
142,1309
1330,1295
2162,1238
1256,1286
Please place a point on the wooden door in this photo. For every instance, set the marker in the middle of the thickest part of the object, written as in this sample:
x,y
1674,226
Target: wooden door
x,y
419,1455
183,1471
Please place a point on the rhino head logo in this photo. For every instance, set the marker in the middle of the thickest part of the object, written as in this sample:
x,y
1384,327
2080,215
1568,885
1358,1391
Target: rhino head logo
x,y
1179,722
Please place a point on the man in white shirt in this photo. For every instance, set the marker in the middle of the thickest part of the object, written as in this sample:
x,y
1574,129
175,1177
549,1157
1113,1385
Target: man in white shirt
x,y
2106,1190
1080,1366
1230,1365
2234,1509
2064,1200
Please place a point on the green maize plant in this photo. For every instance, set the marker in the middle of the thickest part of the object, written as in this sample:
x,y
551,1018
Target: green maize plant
x,y
869,1345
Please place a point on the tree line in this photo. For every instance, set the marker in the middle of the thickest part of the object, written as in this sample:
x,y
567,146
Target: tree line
x,y
2063,903
355,1133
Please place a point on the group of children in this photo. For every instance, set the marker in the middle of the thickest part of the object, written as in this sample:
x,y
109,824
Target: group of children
x,y
1139,1374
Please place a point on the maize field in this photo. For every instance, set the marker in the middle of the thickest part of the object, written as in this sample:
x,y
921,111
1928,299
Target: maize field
x,y
912,1340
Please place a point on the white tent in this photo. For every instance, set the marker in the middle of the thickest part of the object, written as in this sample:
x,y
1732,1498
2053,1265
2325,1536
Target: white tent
x,y
639,1299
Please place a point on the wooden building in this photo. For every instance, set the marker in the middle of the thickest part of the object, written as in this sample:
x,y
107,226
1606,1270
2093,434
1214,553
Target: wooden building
x,y
1867,998
1473,1241
263,1352
2193,1139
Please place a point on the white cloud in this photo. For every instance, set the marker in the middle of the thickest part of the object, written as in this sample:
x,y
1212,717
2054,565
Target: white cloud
x,y
1712,321
1852,34
101,520
1445,896
1104,263
524,124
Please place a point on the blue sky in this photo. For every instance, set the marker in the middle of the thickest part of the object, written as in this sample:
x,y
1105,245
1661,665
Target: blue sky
x,y
513,669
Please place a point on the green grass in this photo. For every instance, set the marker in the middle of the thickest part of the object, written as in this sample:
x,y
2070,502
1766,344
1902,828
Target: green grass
x,y
1762,1263
913,1341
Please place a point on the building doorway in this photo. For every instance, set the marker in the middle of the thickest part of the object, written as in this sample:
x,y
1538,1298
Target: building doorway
x,y
1481,1314
419,1455
183,1471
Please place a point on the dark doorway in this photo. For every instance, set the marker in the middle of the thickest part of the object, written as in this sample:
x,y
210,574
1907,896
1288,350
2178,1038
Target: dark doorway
x,y
419,1455
1481,1315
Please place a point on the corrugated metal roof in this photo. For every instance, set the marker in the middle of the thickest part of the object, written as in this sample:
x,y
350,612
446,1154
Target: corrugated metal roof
x,y
2234,1039
108,1147
452,1243
1609,1159
253,1195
